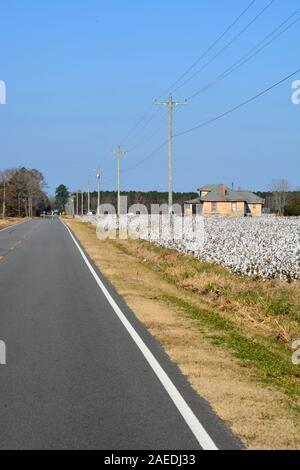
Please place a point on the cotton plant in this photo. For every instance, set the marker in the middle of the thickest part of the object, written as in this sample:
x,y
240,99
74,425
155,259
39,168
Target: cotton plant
x,y
265,247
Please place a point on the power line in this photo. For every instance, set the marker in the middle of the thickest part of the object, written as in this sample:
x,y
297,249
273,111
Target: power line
x,y
212,46
209,48
149,135
216,118
161,146
242,60
232,41
227,72
146,114
230,111
248,56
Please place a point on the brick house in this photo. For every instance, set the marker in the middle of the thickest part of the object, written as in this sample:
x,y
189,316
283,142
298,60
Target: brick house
x,y
218,199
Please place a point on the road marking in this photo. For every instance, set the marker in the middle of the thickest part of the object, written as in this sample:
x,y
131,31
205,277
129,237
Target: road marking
x,y
190,418
2,353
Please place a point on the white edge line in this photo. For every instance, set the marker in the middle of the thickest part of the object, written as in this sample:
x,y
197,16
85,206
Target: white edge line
x,y
190,418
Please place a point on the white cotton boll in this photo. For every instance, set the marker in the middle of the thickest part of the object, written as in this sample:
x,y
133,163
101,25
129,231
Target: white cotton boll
x,y
268,247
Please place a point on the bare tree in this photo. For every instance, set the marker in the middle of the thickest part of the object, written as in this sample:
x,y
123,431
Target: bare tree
x,y
5,176
22,192
280,189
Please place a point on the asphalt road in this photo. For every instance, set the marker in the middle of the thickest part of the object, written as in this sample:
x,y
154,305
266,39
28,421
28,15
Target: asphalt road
x,y
74,377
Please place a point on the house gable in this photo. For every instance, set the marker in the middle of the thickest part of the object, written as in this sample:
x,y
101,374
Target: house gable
x,y
221,200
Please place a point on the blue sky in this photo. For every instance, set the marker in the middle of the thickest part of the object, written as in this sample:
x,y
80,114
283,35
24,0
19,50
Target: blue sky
x,y
81,73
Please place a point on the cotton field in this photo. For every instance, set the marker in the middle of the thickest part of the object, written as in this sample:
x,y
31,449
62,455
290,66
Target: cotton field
x,y
267,247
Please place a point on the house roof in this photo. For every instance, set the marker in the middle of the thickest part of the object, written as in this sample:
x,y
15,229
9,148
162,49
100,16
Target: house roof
x,y
207,187
248,196
215,195
194,201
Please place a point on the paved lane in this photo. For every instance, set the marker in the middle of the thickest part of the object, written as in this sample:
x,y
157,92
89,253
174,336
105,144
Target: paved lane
x,y
74,378
13,236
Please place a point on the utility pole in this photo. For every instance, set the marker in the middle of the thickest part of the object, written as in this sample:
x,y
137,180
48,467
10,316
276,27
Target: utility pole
x,y
4,198
77,202
82,204
89,197
119,154
98,179
170,104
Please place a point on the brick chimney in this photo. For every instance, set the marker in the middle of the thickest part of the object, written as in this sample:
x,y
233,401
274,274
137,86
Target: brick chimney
x,y
223,190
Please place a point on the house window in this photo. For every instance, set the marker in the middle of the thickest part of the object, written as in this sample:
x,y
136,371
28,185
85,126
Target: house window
x,y
234,207
254,206
214,206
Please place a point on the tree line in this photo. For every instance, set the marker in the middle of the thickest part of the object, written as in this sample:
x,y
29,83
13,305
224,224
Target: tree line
x,y
22,192
277,203
279,199
146,198
110,197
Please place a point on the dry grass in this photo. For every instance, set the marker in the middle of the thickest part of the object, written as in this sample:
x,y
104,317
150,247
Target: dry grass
x,y
268,307
173,299
4,223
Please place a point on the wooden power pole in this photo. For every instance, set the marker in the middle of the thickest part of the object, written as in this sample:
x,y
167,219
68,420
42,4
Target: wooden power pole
x,y
170,104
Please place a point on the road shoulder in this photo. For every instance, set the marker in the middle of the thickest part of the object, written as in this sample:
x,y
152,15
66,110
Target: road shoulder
x,y
259,414
11,221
